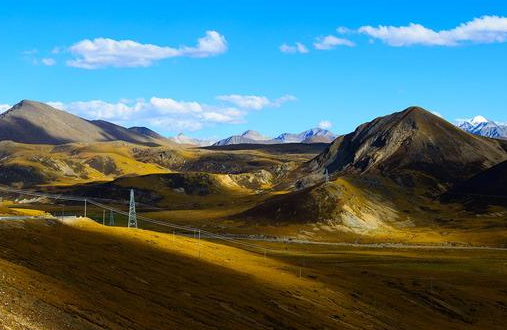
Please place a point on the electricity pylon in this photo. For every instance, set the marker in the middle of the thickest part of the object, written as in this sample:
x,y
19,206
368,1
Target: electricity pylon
x,y
111,218
132,211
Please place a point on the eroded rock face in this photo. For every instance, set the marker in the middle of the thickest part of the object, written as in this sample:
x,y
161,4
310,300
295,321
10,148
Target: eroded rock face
x,y
104,164
256,180
166,158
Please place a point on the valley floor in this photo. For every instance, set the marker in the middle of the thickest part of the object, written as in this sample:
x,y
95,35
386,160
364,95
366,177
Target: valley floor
x,y
81,275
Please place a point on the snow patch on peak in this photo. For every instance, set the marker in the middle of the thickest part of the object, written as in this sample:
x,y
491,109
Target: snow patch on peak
x,y
478,120
254,135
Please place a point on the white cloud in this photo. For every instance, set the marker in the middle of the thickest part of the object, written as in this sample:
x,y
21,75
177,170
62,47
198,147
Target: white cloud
x,y
105,52
170,106
325,124
166,114
98,109
176,125
255,102
330,42
4,107
48,61
297,48
438,114
485,29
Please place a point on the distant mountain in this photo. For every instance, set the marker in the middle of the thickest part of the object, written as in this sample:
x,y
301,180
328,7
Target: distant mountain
x,y
38,123
183,139
248,137
308,136
484,127
147,132
254,135
413,147
314,135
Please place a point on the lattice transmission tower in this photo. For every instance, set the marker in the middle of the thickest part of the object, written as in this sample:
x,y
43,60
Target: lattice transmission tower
x,y
132,211
111,218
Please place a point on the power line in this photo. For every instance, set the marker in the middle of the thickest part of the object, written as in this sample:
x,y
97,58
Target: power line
x,y
203,233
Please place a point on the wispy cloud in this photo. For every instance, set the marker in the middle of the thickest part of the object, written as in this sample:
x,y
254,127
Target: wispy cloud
x,y
4,107
330,42
325,124
167,113
438,114
292,49
48,61
105,52
480,30
255,102
485,29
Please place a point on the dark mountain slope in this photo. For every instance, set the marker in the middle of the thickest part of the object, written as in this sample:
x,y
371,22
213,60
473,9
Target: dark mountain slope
x,y
486,188
147,132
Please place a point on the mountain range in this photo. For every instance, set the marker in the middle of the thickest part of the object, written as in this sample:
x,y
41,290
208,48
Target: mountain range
x,y
34,122
187,140
314,135
484,127
38,123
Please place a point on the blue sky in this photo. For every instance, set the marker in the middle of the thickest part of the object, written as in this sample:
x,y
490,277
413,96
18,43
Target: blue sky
x,y
212,69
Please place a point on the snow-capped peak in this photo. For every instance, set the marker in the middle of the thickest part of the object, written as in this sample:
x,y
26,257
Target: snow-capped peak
x,y
254,135
482,126
478,120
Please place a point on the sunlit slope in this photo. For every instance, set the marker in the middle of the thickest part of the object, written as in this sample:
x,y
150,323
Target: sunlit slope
x,y
340,205
179,191
30,164
373,210
27,165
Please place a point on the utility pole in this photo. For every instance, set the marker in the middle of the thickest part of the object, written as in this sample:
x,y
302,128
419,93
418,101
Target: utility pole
x,y
111,218
85,209
326,175
132,211
103,217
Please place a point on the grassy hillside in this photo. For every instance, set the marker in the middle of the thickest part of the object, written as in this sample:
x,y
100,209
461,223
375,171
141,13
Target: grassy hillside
x,y
85,276
69,164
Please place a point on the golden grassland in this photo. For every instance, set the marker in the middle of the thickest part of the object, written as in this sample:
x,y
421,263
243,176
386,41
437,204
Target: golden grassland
x,y
79,163
80,275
